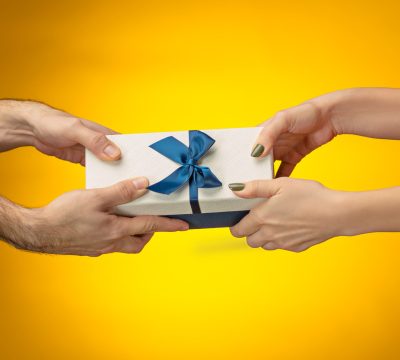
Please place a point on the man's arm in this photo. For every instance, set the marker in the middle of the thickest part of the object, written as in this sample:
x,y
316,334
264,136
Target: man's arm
x,y
53,132
15,130
82,222
13,228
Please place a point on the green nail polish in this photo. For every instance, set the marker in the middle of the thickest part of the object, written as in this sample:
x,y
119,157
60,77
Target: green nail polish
x,y
236,186
258,150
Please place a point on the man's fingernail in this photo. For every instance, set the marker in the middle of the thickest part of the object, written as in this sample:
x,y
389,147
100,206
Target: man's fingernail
x,y
258,150
111,151
236,186
140,182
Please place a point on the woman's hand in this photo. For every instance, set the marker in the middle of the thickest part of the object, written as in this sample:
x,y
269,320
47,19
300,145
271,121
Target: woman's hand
x,y
296,214
295,132
82,223
53,132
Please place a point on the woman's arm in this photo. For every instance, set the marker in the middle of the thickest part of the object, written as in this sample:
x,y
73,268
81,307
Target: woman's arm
x,y
371,112
298,214
295,132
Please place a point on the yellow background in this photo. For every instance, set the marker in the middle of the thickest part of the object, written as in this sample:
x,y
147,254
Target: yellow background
x,y
140,66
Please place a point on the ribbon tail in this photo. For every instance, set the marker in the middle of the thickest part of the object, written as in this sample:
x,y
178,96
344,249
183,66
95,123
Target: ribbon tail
x,y
194,196
172,182
210,180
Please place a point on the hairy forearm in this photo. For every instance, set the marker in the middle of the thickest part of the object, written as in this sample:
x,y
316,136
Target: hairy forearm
x,y
18,225
12,228
371,112
370,211
15,127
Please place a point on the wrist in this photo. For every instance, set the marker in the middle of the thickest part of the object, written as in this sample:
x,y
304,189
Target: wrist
x,y
15,127
349,219
369,211
333,107
19,225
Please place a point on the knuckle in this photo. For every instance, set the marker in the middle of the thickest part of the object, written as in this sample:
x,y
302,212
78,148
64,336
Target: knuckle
x,y
71,125
256,187
98,141
107,249
270,245
281,114
136,250
252,242
313,109
285,246
256,217
150,224
95,254
116,230
284,116
252,188
284,181
235,231
126,190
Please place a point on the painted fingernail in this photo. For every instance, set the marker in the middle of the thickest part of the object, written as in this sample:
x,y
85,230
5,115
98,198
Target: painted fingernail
x,y
258,150
111,151
236,186
140,182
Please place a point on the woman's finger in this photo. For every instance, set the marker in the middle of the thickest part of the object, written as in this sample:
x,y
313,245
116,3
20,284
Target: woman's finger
x,y
300,119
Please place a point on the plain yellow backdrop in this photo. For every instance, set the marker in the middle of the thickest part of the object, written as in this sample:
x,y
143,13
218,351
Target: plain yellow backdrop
x,y
140,66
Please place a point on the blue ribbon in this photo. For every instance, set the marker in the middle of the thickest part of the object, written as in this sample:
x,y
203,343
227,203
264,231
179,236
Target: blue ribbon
x,y
196,175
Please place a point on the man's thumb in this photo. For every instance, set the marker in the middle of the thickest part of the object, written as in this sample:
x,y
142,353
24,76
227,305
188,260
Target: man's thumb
x,y
122,192
97,143
256,188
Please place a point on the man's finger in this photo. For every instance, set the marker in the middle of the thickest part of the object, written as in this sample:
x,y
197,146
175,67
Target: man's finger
x,y
256,188
97,142
122,192
149,224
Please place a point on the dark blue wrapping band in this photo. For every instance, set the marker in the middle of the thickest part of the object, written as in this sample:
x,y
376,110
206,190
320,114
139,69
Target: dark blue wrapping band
x,y
212,220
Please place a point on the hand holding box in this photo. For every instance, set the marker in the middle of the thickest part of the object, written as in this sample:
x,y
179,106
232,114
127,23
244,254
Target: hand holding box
x,y
189,173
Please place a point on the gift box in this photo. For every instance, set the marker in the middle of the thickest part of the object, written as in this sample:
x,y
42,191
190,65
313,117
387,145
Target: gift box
x,y
188,171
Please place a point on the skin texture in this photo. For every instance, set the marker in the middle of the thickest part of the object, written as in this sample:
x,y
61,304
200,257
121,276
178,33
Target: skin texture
x,y
79,222
53,132
298,213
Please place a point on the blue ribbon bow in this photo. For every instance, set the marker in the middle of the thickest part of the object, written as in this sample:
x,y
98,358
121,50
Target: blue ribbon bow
x,y
198,176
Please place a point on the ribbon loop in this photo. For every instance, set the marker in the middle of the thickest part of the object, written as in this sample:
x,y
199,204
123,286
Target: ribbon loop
x,y
196,175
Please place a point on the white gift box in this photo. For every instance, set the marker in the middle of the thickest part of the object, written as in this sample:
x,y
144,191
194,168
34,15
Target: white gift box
x,y
228,158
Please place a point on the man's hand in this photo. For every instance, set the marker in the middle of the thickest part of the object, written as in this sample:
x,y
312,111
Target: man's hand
x,y
53,132
296,214
82,223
